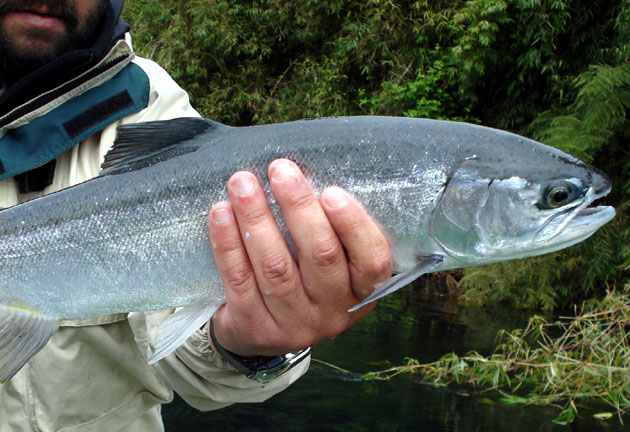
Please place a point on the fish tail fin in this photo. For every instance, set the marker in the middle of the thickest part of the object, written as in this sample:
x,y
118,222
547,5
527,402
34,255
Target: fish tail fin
x,y
23,332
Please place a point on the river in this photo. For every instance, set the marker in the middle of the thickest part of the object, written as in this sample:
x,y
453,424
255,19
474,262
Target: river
x,y
410,323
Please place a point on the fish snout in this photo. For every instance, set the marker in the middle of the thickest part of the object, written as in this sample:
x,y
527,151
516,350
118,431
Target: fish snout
x,y
600,183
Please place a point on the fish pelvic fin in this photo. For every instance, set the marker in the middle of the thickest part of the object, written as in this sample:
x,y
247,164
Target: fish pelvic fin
x,y
426,264
175,329
23,332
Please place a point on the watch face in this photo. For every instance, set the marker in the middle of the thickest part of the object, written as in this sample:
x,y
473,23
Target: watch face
x,y
276,366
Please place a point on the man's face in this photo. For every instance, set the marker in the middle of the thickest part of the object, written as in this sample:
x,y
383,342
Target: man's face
x,y
33,32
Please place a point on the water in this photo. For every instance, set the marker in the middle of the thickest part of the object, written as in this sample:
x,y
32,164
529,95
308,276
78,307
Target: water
x,y
407,324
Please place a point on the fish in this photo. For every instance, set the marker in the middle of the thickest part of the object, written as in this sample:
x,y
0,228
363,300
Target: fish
x,y
447,195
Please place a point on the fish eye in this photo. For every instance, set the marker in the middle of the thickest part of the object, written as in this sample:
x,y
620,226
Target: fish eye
x,y
558,194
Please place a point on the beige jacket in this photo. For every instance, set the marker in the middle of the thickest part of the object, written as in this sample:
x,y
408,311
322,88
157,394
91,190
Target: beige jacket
x,y
93,375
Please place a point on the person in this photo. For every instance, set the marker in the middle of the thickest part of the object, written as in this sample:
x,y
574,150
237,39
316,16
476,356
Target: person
x,y
68,78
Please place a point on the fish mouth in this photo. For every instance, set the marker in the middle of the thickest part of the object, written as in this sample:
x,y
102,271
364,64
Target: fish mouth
x,y
591,219
599,214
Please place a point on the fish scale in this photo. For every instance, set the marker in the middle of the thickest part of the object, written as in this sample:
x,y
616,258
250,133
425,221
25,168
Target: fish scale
x,y
135,238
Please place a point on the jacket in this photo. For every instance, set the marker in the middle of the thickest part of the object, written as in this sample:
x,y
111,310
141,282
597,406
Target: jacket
x,y
93,374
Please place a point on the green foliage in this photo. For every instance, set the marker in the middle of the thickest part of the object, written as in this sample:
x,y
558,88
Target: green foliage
x,y
588,362
513,284
595,124
258,62
425,95
503,62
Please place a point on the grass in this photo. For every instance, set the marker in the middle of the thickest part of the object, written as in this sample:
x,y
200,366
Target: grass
x,y
577,361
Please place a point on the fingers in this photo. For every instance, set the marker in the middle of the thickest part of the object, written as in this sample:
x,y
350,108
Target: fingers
x,y
262,282
244,304
275,271
367,248
321,257
245,310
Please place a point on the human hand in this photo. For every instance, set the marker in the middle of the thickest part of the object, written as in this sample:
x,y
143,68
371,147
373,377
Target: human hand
x,y
275,305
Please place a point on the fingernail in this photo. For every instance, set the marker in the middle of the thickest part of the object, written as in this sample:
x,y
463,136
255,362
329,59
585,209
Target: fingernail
x,y
283,170
335,197
243,184
221,216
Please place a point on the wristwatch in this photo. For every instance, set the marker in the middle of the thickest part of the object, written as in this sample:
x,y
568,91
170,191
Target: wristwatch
x,y
261,368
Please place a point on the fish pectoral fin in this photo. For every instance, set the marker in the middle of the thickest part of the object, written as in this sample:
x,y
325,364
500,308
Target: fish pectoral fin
x,y
426,264
175,329
23,332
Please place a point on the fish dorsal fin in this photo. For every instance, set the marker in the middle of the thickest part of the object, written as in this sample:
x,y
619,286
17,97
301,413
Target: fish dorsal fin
x,y
139,145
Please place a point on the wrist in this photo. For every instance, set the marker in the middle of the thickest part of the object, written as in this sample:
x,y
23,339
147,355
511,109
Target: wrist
x,y
259,368
211,338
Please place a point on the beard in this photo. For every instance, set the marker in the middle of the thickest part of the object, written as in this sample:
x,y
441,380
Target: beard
x,y
16,63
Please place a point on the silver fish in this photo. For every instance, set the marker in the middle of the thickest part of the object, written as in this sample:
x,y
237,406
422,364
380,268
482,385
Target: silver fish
x,y
448,195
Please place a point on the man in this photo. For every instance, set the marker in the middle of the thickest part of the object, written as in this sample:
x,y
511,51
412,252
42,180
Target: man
x,y
69,78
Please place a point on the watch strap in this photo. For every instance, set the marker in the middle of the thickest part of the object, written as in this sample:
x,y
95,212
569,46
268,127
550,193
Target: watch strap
x,y
259,368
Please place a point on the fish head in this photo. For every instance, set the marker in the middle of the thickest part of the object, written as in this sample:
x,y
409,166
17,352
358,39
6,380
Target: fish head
x,y
530,201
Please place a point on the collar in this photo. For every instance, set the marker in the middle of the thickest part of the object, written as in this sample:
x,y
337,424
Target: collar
x,y
119,56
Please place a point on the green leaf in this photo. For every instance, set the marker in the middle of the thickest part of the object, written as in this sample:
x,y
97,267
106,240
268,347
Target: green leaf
x,y
566,417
